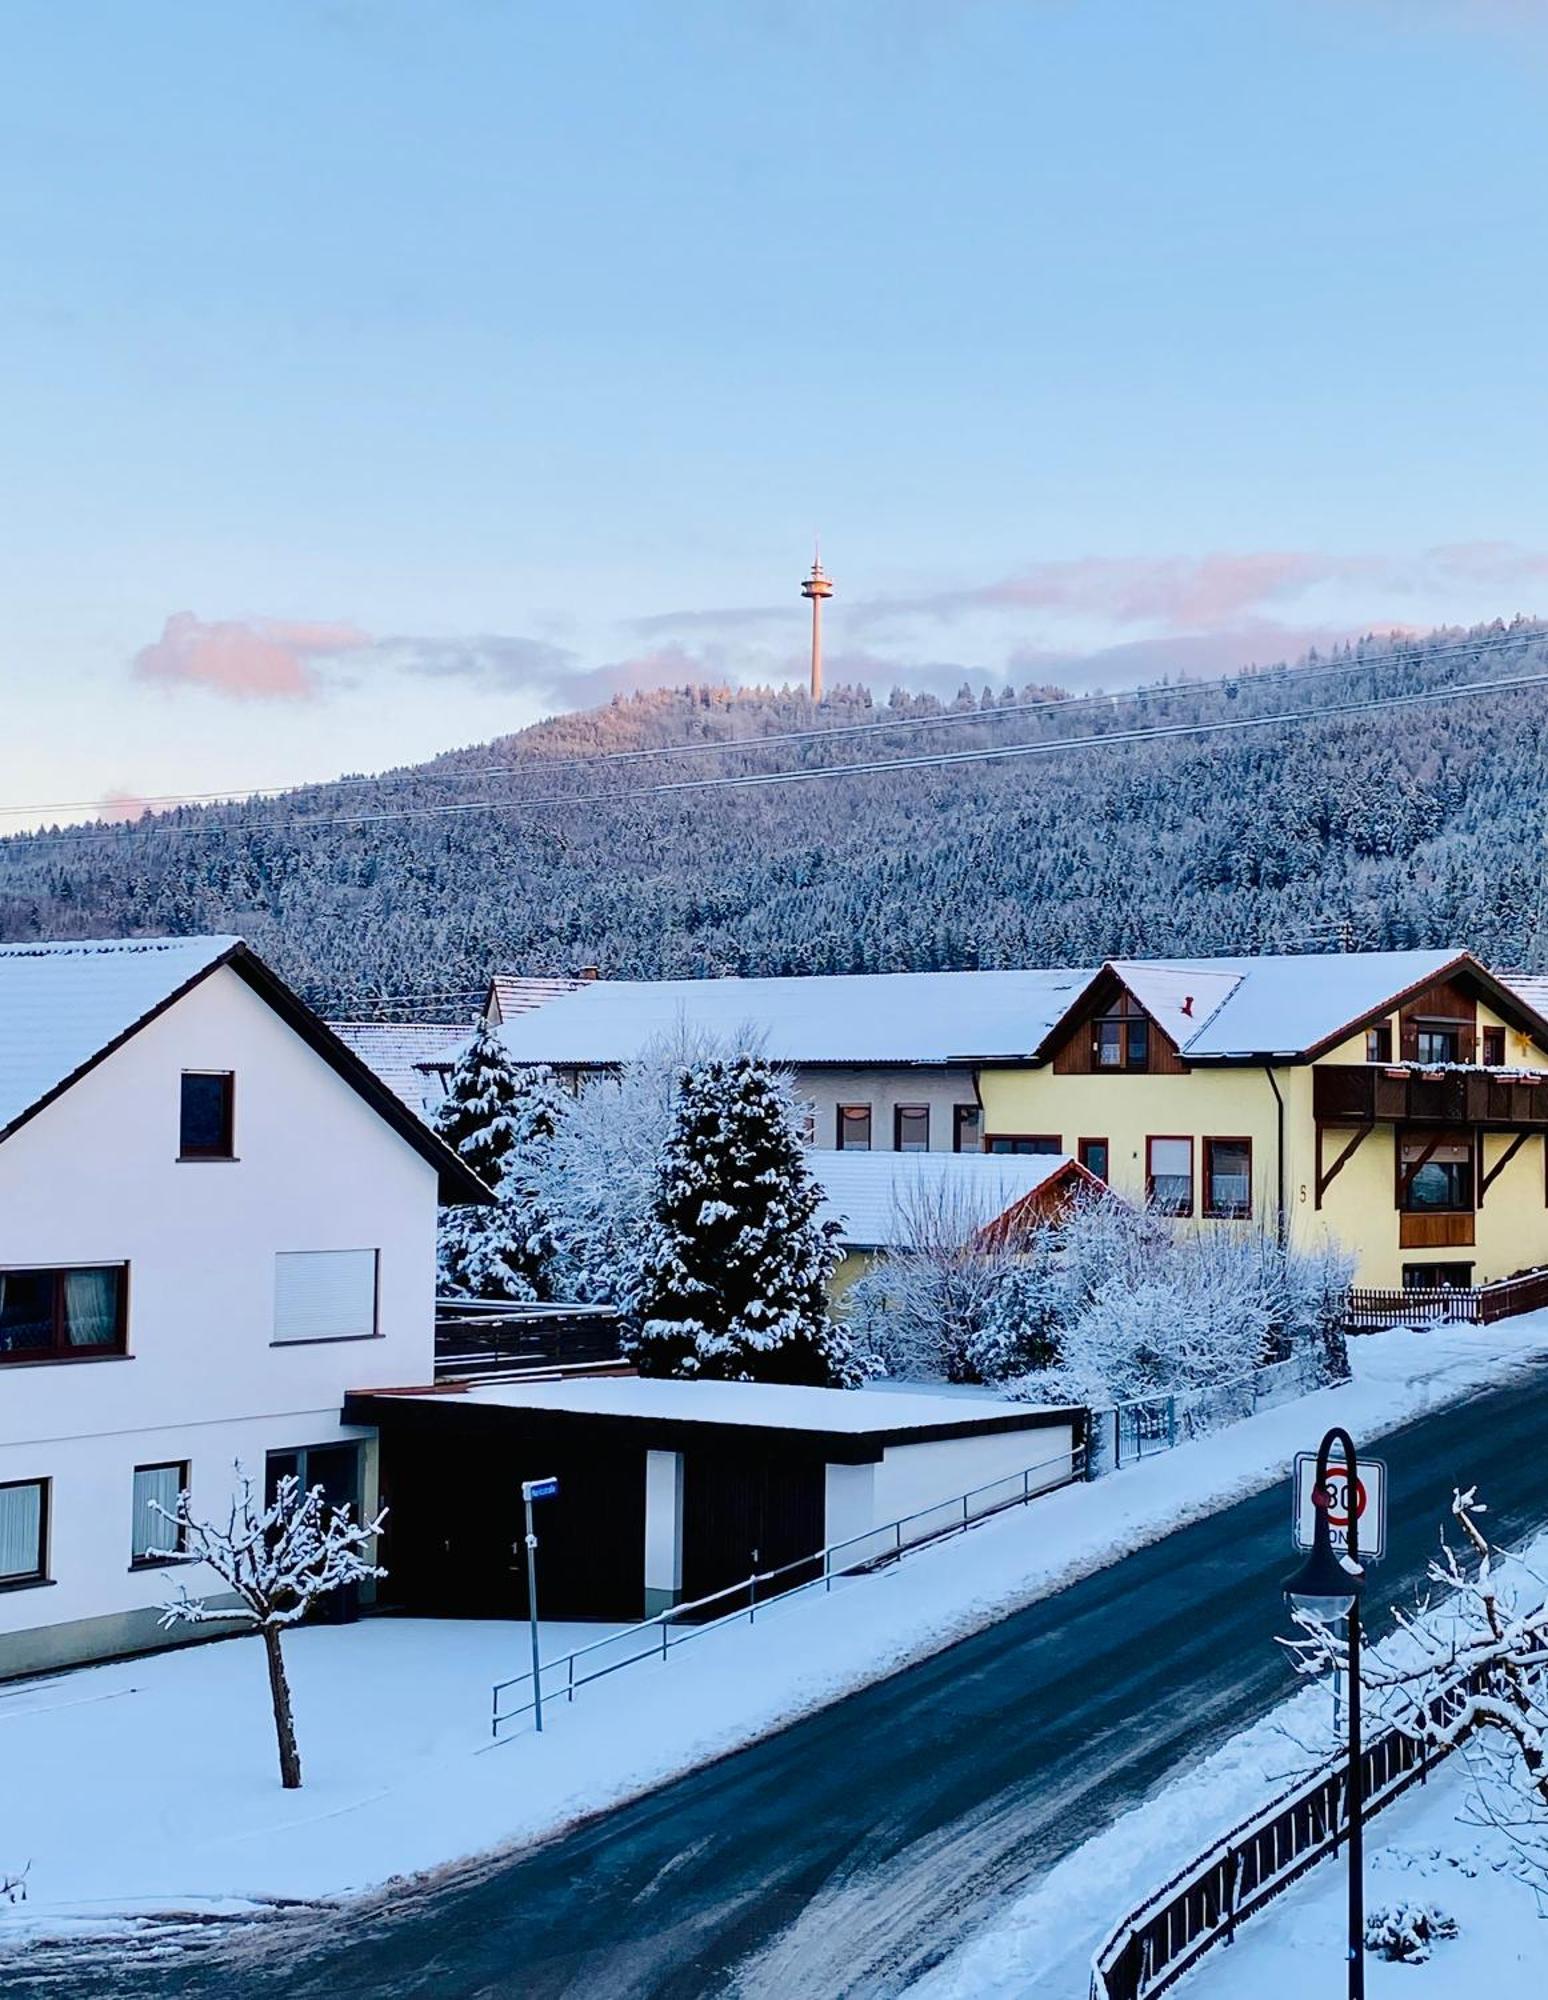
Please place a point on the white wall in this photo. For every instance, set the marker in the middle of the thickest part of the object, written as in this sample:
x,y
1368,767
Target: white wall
x,y
912,1476
95,1178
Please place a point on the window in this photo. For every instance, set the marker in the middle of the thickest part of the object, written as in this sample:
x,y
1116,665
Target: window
x,y
1378,1043
1025,1142
1435,1045
911,1128
206,1129
1494,1048
1435,1173
63,1315
967,1128
153,1539
854,1128
1093,1156
324,1295
1169,1175
1122,1043
1420,1277
1228,1177
23,1532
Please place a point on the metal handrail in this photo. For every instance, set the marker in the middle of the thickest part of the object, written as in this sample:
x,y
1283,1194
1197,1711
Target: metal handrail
x,y
662,1641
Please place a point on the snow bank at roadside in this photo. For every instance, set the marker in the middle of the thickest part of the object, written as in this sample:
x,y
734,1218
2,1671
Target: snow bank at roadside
x,y
149,1785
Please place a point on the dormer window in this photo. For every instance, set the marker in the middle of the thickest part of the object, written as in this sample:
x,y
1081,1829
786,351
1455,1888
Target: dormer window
x,y
1123,1042
207,1125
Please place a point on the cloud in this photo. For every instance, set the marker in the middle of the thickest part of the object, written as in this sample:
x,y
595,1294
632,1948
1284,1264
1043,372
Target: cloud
x,y
510,663
258,659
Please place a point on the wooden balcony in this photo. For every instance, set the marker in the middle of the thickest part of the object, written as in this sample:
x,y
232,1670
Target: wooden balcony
x,y
1366,1093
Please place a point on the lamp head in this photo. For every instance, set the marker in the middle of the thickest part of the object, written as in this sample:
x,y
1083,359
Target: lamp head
x,y
1326,1585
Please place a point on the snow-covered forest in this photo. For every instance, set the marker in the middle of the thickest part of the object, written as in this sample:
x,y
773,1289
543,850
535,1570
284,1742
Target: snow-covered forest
x,y
1413,826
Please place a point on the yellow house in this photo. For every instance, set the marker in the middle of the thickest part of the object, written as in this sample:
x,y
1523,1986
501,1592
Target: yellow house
x,y
1397,1101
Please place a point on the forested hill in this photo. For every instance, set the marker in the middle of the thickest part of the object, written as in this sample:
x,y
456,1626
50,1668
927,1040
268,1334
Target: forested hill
x,y
1407,825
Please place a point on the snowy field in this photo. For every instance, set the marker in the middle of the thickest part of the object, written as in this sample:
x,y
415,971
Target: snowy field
x,y
150,1786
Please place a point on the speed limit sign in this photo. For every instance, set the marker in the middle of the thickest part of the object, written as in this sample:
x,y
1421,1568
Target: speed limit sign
x,y
1368,1498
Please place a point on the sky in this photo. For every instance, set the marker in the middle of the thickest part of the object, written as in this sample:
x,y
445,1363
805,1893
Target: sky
x,y
378,376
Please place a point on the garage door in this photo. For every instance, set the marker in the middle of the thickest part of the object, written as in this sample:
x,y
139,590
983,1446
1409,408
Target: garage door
x,y
743,1512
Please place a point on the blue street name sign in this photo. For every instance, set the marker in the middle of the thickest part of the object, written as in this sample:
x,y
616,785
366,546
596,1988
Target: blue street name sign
x,y
540,1489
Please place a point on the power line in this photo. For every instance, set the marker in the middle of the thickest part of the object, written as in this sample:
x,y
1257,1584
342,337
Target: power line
x,y
1248,678
938,760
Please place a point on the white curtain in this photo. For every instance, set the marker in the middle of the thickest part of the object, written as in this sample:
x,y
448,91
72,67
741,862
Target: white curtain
x,y
91,1308
21,1523
155,1486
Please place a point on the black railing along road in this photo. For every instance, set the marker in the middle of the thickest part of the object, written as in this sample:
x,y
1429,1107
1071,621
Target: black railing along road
x,y
1202,1904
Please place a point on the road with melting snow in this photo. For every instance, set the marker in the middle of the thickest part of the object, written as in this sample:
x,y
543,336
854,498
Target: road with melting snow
x,y
849,1854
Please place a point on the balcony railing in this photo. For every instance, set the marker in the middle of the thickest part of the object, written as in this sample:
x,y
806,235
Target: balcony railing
x,y
1368,1093
473,1338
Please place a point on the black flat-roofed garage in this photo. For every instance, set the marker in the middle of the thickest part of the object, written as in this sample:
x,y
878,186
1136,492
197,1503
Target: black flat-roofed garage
x,y
670,1491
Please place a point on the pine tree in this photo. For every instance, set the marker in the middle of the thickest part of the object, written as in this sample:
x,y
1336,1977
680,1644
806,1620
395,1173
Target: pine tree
x,y
735,1279
474,1117
502,1121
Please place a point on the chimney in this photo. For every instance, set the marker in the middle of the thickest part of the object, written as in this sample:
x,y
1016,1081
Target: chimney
x,y
1187,1005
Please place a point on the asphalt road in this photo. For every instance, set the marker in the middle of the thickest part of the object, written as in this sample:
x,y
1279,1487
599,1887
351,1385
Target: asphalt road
x,y
850,1853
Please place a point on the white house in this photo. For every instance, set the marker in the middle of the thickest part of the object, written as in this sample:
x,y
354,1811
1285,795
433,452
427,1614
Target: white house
x,y
215,1221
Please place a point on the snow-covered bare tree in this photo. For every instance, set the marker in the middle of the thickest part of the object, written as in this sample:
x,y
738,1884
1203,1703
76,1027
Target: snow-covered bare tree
x,y
924,1311
278,1560
1471,1670
734,1284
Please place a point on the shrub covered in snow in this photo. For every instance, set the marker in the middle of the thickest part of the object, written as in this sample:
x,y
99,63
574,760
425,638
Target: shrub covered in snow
x,y
1103,1303
734,1283
1404,1932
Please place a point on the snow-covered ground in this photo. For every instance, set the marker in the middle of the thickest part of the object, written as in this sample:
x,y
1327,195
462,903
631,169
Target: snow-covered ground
x,y
1416,1852
150,1785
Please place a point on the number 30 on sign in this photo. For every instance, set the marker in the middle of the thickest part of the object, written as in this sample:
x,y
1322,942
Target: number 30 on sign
x,y
1370,1500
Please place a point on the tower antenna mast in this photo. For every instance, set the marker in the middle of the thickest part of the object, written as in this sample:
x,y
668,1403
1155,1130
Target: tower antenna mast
x,y
817,586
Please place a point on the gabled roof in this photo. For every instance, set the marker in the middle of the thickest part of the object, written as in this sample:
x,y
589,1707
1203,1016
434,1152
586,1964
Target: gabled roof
x,y
65,1007
514,993
1532,987
882,1017
1292,1005
406,1055
879,1199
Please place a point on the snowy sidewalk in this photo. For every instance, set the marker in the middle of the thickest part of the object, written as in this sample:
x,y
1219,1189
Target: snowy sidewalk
x,y
150,1785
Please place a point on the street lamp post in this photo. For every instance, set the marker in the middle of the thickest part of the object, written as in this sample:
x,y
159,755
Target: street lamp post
x,y
1328,1587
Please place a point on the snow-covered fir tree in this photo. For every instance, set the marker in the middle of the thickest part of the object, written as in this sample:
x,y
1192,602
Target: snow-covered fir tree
x,y
503,1121
474,1117
735,1279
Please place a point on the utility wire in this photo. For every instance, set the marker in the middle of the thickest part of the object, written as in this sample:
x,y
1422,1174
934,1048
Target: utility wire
x,y
938,760
1239,679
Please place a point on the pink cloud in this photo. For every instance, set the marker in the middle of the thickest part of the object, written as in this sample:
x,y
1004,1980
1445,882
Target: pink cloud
x,y
259,659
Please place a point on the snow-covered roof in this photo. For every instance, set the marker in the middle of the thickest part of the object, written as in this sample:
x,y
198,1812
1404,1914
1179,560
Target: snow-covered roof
x,y
880,1017
1274,1005
513,993
65,1006
405,1054
757,1405
1532,987
61,1005
877,1197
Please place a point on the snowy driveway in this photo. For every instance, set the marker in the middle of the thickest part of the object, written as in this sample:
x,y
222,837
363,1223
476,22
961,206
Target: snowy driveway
x,y
848,1854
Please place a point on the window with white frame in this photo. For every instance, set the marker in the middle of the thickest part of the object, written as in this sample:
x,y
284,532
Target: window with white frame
x,y
152,1537
324,1295
23,1532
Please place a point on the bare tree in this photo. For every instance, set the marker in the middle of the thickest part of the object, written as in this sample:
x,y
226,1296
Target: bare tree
x,y
279,1559
1476,1676
13,1888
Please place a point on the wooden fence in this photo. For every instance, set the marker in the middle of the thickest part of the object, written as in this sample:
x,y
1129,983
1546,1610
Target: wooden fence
x,y
1428,1305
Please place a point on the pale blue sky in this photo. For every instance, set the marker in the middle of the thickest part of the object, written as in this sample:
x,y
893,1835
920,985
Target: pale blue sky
x,y
1185,328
